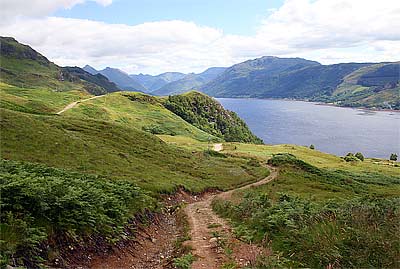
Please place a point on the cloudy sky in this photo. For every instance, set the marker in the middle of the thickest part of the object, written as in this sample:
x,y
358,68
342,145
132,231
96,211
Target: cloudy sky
x,y
154,36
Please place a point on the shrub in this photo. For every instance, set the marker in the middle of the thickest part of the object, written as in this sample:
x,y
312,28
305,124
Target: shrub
x,y
184,262
362,232
359,156
312,146
38,202
351,158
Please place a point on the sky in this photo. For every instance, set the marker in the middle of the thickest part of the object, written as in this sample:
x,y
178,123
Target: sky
x,y
155,36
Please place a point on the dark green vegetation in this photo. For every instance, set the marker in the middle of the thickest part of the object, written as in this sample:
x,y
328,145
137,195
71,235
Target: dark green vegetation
x,y
208,115
190,82
123,80
23,67
41,203
351,84
313,217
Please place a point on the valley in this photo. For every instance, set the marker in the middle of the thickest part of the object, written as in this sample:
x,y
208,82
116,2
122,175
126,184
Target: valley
x,y
96,177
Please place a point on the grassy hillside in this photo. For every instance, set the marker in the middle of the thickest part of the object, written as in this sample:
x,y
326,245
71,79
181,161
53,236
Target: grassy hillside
x,y
374,86
115,150
313,217
139,111
208,115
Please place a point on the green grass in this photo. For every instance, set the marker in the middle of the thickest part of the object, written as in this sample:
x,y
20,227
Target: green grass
x,y
115,150
140,111
314,157
37,100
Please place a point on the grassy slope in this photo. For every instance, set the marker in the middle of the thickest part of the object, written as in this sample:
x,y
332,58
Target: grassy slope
x,y
314,217
116,150
140,111
37,100
314,157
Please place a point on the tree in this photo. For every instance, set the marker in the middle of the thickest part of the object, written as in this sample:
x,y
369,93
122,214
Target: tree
x,y
393,157
312,146
359,156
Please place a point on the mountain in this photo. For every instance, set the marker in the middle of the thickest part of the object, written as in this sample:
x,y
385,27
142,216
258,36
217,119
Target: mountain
x,y
122,79
90,69
372,86
252,77
24,67
153,83
190,82
347,84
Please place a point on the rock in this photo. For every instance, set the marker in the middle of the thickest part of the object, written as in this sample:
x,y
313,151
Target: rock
x,y
213,240
204,238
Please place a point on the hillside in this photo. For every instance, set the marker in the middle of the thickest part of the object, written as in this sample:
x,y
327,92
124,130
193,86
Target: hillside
x,y
153,83
123,80
250,78
190,82
208,115
21,66
348,84
374,86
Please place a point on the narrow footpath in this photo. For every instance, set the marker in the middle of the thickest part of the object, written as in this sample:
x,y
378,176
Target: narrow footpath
x,y
71,105
206,226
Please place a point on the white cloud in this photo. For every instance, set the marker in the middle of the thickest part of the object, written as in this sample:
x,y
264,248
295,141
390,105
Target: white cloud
x,y
329,31
13,9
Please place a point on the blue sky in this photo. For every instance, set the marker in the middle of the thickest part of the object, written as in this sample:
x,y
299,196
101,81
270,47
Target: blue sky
x,y
155,36
232,16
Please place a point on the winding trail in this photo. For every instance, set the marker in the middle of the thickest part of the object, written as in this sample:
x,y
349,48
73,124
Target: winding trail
x,y
201,218
71,105
218,147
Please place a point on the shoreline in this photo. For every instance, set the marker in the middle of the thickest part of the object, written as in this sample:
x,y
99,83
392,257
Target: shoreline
x,y
315,103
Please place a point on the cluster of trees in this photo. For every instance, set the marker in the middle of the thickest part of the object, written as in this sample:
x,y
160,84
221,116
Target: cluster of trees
x,y
208,115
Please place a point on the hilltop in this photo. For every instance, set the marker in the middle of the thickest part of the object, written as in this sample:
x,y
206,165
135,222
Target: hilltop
x,y
120,78
24,67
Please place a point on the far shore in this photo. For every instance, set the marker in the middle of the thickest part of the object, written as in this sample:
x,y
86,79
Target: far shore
x,y
316,103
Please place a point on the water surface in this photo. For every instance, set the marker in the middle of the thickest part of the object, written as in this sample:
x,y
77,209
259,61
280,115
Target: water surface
x,y
331,129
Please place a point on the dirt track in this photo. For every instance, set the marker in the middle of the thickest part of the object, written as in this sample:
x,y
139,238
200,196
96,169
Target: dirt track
x,y
201,217
71,105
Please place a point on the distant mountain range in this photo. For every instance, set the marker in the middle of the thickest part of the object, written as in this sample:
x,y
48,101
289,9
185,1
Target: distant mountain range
x,y
122,79
372,85
153,83
189,82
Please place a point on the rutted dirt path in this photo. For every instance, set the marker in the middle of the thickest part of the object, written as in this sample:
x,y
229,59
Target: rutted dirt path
x,y
154,246
71,105
207,227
